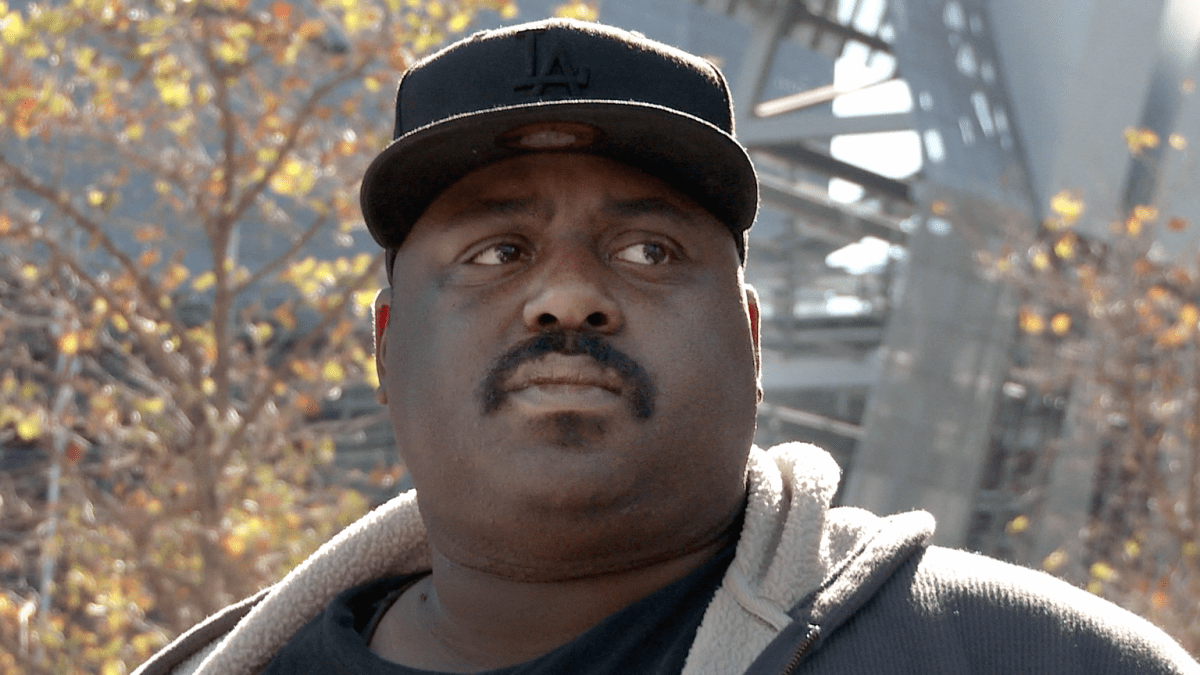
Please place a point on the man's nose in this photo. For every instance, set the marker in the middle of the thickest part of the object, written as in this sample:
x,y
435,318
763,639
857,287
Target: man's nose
x,y
573,295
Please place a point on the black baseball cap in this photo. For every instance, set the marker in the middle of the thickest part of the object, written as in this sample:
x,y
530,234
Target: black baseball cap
x,y
560,85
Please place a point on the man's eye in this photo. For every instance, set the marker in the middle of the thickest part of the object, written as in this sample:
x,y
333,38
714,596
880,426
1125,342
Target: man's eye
x,y
497,254
645,253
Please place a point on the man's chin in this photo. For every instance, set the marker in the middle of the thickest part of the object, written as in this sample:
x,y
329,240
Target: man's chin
x,y
572,430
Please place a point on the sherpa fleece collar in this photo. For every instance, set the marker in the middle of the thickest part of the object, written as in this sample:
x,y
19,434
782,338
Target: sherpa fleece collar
x,y
793,548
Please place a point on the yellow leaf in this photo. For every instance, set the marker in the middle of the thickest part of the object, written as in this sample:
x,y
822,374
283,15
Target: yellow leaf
x,y
95,197
362,261
364,301
234,544
302,268
583,11
174,275
1066,206
1064,248
1189,315
232,51
1017,525
204,281
1132,548
1040,261
1178,141
333,372
208,386
151,406
1145,213
12,28
1031,322
261,332
175,94
1102,571
1060,324
1140,139
294,178
119,322
1133,226
509,10
459,22
29,428
68,343
29,272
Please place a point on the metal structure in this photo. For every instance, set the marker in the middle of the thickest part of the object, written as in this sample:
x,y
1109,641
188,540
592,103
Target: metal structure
x,y
903,390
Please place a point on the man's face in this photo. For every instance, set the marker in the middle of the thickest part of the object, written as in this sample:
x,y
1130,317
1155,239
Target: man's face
x,y
570,347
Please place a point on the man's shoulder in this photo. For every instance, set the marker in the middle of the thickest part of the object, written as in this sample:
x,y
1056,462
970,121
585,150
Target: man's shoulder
x,y
979,612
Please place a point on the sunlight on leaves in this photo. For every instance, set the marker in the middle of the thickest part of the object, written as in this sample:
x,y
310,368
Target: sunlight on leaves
x,y
1060,324
583,11
1138,140
1031,322
1067,207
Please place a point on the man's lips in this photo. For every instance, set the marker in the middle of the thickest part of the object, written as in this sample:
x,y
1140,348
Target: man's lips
x,y
555,370
567,369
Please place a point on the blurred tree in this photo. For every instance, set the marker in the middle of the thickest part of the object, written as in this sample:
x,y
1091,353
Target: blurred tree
x,y
1115,323
179,294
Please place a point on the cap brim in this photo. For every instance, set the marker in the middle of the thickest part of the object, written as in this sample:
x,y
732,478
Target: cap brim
x,y
693,156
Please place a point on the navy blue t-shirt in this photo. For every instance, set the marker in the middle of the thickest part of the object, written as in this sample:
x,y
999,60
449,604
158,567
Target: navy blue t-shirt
x,y
652,635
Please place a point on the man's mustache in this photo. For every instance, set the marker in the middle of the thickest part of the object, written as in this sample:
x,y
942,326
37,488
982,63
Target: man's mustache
x,y
570,343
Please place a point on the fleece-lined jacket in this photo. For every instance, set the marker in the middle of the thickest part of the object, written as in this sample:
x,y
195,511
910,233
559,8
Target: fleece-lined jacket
x,y
810,590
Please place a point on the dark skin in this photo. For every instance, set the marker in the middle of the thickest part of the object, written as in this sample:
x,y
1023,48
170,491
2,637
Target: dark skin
x,y
551,497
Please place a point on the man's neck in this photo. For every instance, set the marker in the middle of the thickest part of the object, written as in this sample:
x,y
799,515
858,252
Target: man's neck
x,y
465,620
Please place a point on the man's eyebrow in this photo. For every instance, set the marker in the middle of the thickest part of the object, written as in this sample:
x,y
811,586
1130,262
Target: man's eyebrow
x,y
649,206
484,208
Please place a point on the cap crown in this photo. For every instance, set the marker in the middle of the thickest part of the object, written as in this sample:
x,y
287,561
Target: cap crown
x,y
557,61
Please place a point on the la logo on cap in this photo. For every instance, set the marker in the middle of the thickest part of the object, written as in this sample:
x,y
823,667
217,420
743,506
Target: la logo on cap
x,y
555,71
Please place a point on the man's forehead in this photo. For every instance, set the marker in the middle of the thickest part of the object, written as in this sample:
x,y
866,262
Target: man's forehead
x,y
541,186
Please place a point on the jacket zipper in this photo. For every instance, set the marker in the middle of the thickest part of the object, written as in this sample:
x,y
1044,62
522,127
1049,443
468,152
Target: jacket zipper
x,y
814,632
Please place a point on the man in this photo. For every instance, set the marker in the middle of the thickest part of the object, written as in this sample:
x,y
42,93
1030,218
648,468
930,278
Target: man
x,y
569,357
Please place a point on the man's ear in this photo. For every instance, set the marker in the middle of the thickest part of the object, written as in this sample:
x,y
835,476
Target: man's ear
x,y
382,310
755,334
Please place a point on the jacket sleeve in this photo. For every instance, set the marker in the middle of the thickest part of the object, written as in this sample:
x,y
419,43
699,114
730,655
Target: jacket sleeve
x,y
949,611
